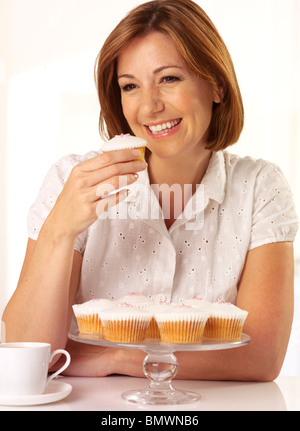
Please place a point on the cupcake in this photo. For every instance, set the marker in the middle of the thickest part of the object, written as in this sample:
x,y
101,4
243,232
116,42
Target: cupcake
x,y
159,297
136,299
196,302
121,142
226,321
125,323
181,324
153,330
87,315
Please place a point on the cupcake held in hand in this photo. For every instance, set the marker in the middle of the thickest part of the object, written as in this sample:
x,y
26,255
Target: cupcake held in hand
x,y
121,142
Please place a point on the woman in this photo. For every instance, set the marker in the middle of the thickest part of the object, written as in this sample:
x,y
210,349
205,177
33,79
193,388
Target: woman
x,y
165,75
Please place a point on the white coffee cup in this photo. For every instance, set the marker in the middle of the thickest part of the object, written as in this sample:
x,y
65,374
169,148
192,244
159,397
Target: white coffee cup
x,y
24,368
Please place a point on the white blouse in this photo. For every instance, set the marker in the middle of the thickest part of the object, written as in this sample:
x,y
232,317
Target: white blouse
x,y
241,204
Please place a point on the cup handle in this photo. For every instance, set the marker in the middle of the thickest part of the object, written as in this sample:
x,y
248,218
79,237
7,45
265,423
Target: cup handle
x,y
66,364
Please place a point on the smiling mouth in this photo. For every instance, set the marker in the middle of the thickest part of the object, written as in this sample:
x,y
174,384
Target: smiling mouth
x,y
159,129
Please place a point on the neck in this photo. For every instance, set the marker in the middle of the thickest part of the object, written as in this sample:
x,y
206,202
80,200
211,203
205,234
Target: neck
x,y
178,171
175,172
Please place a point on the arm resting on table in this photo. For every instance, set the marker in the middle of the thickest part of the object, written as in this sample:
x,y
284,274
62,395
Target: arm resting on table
x,y
265,291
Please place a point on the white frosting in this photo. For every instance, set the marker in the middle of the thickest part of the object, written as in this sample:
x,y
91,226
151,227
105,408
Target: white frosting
x,y
180,312
136,305
120,142
199,303
159,297
159,307
126,312
227,310
92,306
135,299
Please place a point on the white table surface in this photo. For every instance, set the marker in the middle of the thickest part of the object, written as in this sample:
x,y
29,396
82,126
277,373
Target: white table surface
x,y
103,394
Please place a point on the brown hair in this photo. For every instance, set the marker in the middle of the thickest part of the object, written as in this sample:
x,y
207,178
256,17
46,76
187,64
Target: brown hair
x,y
200,45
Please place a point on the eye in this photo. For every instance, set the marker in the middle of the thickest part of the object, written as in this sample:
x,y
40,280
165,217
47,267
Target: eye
x,y
128,87
170,79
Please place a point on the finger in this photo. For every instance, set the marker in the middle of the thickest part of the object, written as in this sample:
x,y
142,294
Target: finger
x,y
104,204
110,158
109,174
114,184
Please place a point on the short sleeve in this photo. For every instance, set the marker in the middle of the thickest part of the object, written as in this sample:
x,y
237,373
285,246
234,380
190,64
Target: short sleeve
x,y
47,196
274,218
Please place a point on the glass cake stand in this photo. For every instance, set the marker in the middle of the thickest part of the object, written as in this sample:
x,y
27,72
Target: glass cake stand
x,y
160,366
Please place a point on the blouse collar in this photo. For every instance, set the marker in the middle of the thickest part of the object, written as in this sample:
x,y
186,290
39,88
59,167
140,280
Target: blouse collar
x,y
212,187
214,180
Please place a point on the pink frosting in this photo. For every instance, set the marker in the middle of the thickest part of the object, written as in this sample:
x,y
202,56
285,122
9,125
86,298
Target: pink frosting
x,y
125,305
99,299
122,136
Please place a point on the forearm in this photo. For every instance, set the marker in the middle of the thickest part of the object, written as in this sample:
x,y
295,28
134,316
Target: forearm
x,y
38,310
232,364
266,292
260,360
256,362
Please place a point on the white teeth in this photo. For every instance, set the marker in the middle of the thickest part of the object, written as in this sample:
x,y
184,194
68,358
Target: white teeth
x,y
164,127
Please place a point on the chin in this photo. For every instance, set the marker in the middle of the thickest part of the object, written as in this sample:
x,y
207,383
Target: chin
x,y
165,153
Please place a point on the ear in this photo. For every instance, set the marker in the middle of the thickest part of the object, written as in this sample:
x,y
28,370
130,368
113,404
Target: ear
x,y
216,97
219,94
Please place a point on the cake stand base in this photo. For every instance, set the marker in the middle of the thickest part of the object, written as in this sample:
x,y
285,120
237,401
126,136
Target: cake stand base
x,y
160,366
168,396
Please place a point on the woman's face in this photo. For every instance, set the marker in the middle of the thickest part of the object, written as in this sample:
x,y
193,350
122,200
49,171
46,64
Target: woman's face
x,y
163,101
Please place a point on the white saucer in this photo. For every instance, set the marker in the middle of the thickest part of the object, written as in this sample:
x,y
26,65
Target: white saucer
x,y
55,391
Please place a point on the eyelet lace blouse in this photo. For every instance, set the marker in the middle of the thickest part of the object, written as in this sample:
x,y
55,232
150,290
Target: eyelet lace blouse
x,y
241,204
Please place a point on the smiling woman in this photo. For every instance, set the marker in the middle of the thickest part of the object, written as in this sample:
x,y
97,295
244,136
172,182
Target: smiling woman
x,y
157,88
200,50
165,75
164,128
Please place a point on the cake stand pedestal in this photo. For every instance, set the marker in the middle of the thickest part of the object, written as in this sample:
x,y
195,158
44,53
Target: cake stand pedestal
x,y
160,366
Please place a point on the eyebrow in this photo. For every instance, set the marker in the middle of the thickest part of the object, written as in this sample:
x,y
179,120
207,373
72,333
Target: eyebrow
x,y
155,72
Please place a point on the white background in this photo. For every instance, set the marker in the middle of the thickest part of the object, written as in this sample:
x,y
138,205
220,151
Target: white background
x,y
49,106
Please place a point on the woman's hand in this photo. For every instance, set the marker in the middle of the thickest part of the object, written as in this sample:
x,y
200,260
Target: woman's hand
x,y
89,360
85,195
40,308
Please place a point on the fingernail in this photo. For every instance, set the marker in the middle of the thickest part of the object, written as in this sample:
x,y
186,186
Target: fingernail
x,y
136,152
143,165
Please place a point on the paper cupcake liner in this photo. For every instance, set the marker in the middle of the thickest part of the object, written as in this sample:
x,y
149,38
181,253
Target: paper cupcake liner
x,y
181,331
142,150
224,329
122,142
141,158
125,331
152,330
90,324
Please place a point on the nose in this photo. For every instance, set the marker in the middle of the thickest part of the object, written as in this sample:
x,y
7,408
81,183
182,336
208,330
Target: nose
x,y
151,102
